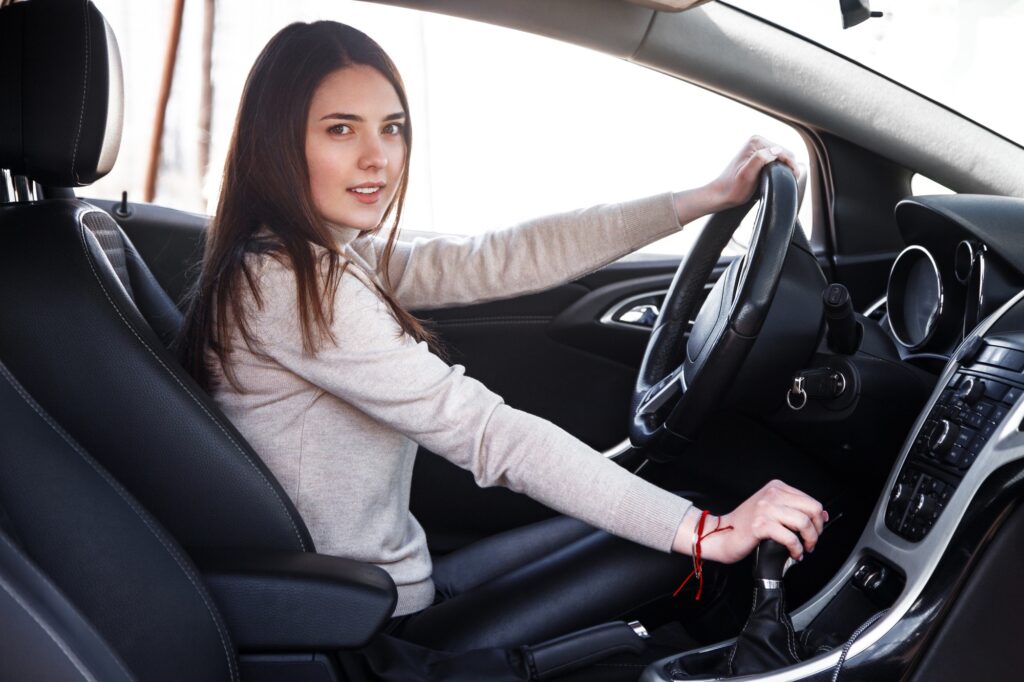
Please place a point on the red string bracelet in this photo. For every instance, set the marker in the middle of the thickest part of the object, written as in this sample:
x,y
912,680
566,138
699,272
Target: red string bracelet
x,y
698,562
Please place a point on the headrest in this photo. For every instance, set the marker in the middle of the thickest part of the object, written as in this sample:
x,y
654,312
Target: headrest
x,y
61,94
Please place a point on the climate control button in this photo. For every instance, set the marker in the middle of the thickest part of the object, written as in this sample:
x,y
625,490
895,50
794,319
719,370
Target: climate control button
x,y
971,390
942,437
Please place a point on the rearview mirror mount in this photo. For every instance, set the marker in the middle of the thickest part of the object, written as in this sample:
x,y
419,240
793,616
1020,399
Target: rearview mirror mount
x,y
856,12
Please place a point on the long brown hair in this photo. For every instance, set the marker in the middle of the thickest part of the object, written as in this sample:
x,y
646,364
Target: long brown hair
x,y
266,185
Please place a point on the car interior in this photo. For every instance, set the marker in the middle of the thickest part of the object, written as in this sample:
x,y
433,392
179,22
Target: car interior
x,y
876,364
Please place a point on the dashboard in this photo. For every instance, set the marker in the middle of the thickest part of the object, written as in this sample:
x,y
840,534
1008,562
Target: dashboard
x,y
963,261
955,299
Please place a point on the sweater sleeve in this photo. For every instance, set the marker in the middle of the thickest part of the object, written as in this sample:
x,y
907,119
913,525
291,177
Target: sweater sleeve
x,y
398,382
528,257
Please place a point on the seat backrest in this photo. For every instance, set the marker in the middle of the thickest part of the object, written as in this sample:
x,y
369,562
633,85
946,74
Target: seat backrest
x,y
100,551
42,634
78,307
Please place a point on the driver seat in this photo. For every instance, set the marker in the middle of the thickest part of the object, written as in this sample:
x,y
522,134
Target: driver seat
x,y
85,323
91,587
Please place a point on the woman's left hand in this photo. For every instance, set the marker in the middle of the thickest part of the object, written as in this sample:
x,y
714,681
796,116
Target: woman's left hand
x,y
738,181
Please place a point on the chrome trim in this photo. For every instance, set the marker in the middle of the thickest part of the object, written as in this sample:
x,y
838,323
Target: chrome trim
x,y
769,584
870,310
980,268
618,450
6,187
935,314
18,188
963,278
917,559
638,311
608,317
24,189
654,400
639,629
981,278
841,380
619,307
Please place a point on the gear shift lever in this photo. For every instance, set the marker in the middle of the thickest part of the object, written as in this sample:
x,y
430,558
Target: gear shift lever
x,y
767,641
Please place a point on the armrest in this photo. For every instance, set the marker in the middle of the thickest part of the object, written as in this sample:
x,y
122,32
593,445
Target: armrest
x,y
297,600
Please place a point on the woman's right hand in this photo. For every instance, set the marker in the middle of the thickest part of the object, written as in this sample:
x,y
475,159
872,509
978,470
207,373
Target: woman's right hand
x,y
778,512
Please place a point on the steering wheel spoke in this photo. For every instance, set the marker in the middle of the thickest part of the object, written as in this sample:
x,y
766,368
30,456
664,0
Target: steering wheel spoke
x,y
663,396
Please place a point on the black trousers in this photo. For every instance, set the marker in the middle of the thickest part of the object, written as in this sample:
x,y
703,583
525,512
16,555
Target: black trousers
x,y
540,581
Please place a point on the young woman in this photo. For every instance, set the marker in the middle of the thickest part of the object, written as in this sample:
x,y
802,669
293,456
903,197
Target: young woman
x,y
300,329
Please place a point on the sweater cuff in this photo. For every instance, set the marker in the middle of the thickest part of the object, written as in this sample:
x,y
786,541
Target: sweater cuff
x,y
651,515
649,219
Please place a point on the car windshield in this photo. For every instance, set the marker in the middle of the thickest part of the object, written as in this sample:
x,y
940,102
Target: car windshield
x,y
956,52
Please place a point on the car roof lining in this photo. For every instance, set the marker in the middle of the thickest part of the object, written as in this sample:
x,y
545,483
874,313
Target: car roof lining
x,y
773,70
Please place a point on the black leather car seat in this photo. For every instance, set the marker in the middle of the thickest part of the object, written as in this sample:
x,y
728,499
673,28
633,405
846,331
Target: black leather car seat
x,y
42,635
84,322
95,588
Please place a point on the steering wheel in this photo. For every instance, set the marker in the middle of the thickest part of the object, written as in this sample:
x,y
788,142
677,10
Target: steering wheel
x,y
682,380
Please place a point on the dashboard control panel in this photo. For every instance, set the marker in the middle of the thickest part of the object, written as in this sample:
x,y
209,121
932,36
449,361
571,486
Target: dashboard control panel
x,y
966,414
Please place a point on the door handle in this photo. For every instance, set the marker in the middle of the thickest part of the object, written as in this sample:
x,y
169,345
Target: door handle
x,y
642,315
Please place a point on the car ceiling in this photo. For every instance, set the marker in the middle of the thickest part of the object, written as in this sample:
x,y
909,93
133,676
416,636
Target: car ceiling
x,y
772,70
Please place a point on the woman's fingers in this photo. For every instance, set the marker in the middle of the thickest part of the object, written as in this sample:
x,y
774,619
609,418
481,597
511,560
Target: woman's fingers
x,y
771,530
757,160
800,514
800,500
738,181
786,157
801,524
809,507
761,152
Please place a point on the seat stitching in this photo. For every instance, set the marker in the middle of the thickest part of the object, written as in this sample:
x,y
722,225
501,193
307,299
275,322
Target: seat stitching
x,y
732,654
85,89
92,267
116,487
787,624
50,633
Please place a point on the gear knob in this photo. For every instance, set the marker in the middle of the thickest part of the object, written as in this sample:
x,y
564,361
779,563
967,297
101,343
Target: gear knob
x,y
771,563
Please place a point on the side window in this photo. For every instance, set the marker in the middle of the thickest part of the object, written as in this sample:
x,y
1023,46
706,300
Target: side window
x,y
507,125
922,184
531,126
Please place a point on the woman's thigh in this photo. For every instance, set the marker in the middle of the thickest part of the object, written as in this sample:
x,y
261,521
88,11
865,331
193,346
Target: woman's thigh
x,y
494,556
535,583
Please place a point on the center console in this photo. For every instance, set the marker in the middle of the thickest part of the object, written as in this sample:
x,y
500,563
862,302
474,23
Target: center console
x,y
897,579
962,420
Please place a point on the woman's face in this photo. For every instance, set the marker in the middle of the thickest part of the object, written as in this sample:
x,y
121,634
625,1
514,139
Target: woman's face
x,y
354,146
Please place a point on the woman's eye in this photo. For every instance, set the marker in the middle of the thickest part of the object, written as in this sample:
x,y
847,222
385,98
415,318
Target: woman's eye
x,y
393,129
340,129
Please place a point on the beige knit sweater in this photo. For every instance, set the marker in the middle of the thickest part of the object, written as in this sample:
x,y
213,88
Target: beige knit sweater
x,y
340,430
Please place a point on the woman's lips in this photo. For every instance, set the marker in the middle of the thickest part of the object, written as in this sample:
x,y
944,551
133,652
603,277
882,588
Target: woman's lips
x,y
366,195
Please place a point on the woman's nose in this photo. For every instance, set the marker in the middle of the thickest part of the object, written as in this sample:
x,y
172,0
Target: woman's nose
x,y
372,154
